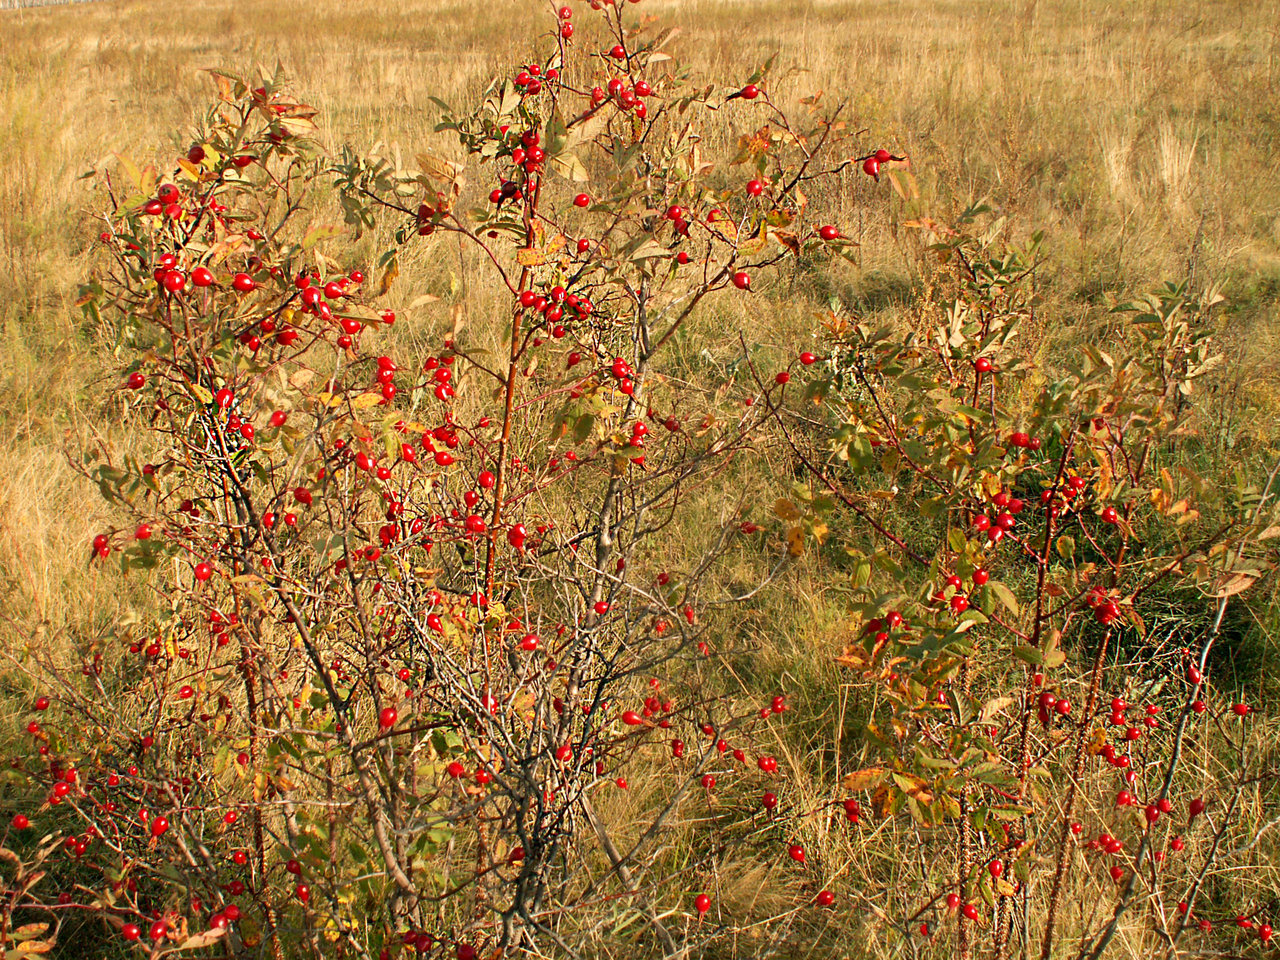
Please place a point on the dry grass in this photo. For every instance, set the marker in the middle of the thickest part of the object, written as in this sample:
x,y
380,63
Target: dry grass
x,y
1136,136
1141,137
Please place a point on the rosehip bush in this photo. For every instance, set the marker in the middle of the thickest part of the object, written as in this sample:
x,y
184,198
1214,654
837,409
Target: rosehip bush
x,y
1008,526
416,603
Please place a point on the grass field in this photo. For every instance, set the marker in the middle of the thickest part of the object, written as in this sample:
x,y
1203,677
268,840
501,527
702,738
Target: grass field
x,y
1142,137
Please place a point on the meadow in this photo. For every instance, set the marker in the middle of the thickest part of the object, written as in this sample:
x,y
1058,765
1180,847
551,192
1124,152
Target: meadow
x,y
1141,138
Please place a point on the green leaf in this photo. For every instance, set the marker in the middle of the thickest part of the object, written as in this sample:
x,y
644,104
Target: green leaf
x,y
557,136
861,572
1004,595
1028,654
321,232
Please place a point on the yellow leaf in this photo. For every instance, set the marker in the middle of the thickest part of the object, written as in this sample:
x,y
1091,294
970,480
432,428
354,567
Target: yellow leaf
x,y
727,229
882,801
786,510
992,708
203,939
437,168
530,258
650,249
388,277
904,184
297,126
188,168
31,948
795,541
1232,585
226,86
788,239
863,779
569,166
1097,741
